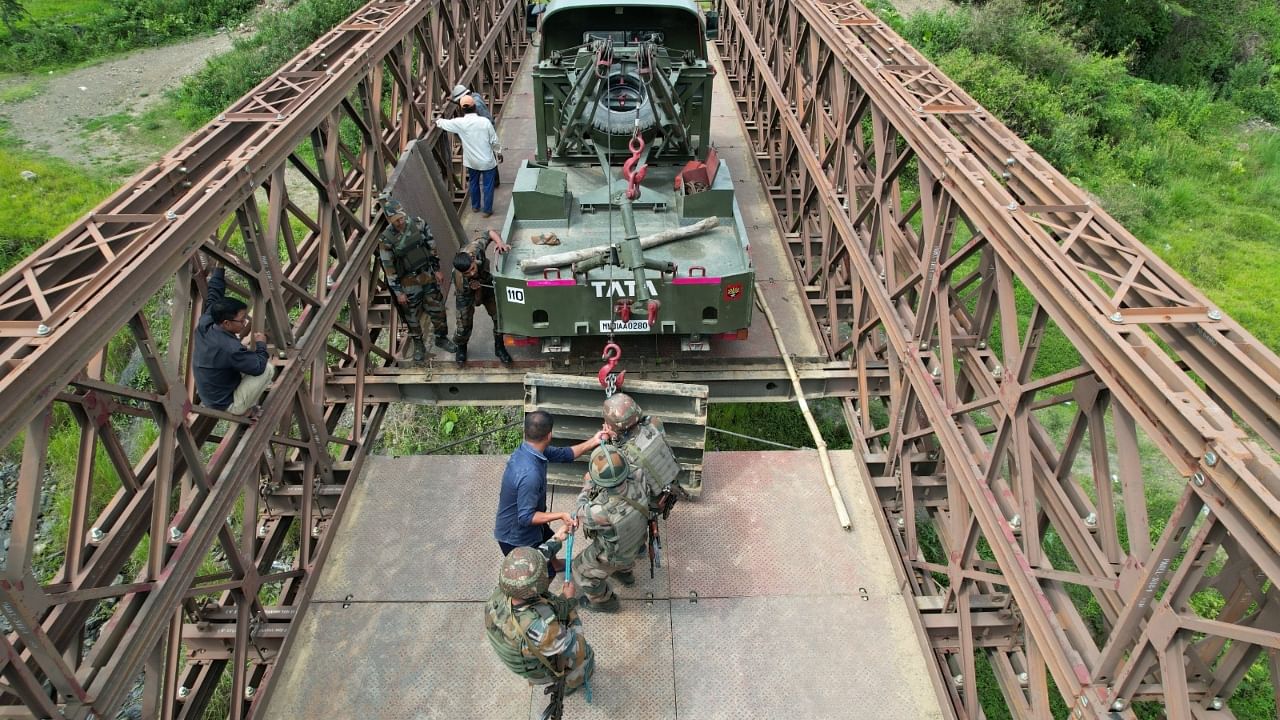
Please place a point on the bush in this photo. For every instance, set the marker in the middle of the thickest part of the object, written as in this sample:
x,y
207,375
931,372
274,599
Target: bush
x,y
280,36
116,27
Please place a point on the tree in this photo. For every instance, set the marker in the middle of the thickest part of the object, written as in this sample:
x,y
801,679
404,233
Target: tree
x,y
11,11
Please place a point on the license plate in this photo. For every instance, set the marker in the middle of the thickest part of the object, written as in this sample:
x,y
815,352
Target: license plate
x,y
618,326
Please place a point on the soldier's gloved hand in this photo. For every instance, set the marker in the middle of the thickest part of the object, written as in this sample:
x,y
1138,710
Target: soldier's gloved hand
x,y
402,298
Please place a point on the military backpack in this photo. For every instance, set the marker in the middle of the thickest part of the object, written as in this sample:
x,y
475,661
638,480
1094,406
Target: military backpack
x,y
648,450
414,249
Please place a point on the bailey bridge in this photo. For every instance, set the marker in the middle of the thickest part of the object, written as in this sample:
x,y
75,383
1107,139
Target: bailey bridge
x,y
915,255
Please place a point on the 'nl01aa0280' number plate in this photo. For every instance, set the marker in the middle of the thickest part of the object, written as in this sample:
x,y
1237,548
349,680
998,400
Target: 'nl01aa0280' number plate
x,y
619,326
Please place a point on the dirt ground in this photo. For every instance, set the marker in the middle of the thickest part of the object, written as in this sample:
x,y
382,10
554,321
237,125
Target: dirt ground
x,y
54,120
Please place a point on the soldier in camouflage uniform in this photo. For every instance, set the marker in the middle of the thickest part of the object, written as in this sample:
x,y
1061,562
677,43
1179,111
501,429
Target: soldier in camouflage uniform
x,y
408,256
613,511
536,634
473,285
643,442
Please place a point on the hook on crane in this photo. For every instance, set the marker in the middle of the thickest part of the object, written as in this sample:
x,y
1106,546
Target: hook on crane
x,y
608,379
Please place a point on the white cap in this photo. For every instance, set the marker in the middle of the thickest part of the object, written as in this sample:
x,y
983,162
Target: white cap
x,y
458,91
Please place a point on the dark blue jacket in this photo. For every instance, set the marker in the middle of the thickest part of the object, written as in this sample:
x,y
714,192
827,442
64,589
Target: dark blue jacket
x,y
220,359
524,492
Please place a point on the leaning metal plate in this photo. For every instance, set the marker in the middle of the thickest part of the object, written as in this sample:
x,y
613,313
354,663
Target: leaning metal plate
x,y
418,528
799,657
392,661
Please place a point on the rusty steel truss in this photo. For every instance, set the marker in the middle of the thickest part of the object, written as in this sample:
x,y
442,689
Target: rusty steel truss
x,y
941,258
933,243
194,536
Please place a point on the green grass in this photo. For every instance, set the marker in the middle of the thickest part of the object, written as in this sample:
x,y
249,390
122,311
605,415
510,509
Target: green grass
x,y
37,211
65,33
21,90
68,11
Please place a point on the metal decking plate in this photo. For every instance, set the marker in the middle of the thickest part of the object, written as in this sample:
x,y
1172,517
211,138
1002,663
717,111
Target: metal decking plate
x,y
780,628
797,657
396,661
410,534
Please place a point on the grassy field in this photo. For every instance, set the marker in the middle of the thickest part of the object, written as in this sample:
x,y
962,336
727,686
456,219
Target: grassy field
x,y
34,211
72,12
61,33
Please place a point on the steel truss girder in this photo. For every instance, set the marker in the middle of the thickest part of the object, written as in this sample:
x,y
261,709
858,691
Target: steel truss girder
x,y
922,229
280,189
744,382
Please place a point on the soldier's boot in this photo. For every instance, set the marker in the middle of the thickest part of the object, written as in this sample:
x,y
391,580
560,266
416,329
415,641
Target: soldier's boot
x,y
607,605
419,350
500,349
460,355
444,343
626,577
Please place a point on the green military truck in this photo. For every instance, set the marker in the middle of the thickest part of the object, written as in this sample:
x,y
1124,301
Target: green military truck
x,y
625,223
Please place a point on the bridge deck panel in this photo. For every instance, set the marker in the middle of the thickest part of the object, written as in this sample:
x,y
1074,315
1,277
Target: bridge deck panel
x,y
768,636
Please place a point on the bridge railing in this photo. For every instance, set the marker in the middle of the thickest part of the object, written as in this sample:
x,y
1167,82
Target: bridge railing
x,y
190,546
933,243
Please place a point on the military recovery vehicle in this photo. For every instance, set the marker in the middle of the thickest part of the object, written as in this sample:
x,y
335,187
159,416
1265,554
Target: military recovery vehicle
x,y
625,222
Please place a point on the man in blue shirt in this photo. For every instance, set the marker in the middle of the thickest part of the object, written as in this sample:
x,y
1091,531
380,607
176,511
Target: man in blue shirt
x,y
523,520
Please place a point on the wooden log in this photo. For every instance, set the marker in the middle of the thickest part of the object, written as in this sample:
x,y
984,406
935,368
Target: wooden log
x,y
646,242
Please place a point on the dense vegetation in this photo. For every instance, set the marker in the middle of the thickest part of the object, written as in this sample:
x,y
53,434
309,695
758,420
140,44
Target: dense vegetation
x,y
55,33
34,211
280,36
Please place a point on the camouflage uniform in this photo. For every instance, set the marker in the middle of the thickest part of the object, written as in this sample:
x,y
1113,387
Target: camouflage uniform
x,y
643,442
473,291
540,639
410,262
614,512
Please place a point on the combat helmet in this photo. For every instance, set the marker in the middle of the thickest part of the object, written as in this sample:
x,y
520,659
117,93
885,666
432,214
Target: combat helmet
x,y
608,467
621,413
524,574
392,207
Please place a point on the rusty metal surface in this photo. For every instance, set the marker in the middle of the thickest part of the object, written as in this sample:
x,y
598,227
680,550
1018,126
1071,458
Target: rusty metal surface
x,y
767,655
440,382
276,194
911,227
1013,483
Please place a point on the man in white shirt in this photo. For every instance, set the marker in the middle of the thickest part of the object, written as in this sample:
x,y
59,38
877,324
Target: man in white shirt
x,y
481,152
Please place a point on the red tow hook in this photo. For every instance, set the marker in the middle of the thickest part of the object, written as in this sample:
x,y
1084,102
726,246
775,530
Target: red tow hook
x,y
608,380
623,309
653,312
